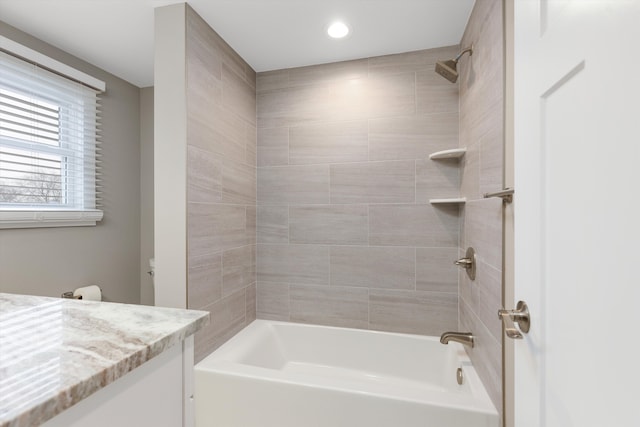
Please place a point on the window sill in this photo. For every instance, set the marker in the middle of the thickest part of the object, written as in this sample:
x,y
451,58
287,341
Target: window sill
x,y
48,218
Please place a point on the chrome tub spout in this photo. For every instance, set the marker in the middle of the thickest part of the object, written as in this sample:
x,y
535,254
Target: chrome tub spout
x,y
465,338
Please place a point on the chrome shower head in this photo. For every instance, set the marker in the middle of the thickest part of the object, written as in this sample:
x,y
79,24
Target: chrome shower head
x,y
449,69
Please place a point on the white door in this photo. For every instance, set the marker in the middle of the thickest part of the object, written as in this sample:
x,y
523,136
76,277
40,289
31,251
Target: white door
x,y
577,211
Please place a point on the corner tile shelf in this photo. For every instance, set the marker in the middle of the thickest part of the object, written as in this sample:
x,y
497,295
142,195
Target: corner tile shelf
x,y
453,200
455,153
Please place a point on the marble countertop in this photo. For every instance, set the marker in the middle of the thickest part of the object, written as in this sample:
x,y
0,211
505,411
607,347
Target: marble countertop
x,y
55,352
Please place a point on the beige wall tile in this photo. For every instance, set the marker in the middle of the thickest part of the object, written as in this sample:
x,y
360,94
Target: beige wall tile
x,y
437,179
486,354
238,183
227,317
470,171
484,296
273,224
490,298
232,60
467,289
477,20
270,80
336,71
204,343
435,271
201,99
307,184
214,227
338,142
250,144
238,96
348,100
351,99
205,280
373,267
326,224
400,63
232,129
300,264
199,131
481,131
204,176
329,305
201,46
238,268
250,76
412,137
413,225
393,95
410,61
273,107
273,146
483,229
221,213
378,182
217,130
492,158
487,61
273,301
427,313
251,303
251,224
207,71
434,93
294,106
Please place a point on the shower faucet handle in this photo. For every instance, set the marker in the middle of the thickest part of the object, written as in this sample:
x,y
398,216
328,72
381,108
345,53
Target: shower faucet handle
x,y
464,262
468,263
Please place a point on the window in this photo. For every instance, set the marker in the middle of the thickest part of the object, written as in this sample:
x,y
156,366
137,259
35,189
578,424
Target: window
x,y
49,148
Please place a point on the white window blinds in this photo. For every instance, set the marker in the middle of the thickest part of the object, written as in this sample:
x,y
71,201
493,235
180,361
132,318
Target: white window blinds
x,y
49,140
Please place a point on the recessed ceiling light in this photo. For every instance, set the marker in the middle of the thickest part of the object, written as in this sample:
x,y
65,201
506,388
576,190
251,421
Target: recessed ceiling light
x,y
338,30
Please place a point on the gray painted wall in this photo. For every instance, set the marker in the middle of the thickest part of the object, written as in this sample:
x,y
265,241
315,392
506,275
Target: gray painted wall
x,y
49,261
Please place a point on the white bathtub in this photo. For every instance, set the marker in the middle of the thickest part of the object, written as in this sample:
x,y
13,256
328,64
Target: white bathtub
x,y
276,374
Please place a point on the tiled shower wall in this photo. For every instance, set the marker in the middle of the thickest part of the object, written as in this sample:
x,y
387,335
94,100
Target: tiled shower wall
x,y
481,131
346,234
221,185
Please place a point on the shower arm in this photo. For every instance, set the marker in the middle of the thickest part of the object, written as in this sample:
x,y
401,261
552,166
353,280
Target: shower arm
x,y
469,49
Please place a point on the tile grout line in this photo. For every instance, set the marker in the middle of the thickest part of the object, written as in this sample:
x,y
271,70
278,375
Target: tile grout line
x,y
415,269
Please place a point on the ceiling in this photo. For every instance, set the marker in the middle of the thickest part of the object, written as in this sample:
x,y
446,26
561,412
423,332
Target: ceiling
x,y
117,35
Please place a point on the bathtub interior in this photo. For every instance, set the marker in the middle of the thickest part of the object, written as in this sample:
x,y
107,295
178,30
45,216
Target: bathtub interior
x,y
405,366
278,374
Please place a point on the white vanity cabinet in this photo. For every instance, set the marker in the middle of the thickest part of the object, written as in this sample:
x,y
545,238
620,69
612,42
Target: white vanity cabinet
x,y
150,395
71,363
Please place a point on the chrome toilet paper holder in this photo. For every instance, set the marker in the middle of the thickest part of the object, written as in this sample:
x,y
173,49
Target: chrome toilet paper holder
x,y
70,295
